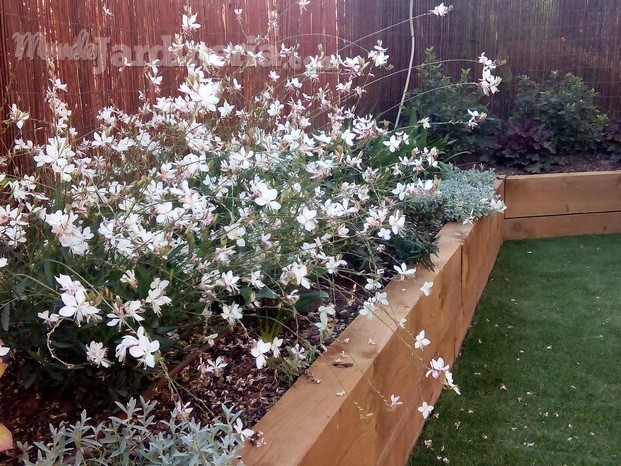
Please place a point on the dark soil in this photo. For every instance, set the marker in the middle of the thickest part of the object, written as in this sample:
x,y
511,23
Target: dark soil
x,y
567,164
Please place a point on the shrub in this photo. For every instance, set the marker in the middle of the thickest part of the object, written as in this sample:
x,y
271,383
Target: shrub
x,y
568,108
447,103
467,195
134,437
198,213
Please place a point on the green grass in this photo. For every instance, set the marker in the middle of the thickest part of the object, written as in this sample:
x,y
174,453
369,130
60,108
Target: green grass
x,y
540,370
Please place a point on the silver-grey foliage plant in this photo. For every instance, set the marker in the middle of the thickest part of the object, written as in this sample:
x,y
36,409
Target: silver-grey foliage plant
x,y
135,438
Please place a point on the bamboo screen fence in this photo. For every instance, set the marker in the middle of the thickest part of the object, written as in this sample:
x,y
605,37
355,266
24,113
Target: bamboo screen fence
x,y
534,36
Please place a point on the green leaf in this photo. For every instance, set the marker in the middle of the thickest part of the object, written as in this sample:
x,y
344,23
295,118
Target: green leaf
x,y
306,299
6,315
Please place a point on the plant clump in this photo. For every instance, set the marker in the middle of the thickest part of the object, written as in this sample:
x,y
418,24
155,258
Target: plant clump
x,y
205,213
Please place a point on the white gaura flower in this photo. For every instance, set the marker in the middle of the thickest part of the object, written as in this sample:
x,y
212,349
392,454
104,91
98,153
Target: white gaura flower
x,y
384,233
403,271
425,409
157,296
204,94
48,319
3,262
394,401
259,350
306,218
425,123
228,281
226,109
77,307
129,277
295,273
265,196
120,314
4,350
96,354
18,117
393,143
436,367
397,222
426,288
421,342
448,376
139,346
232,314
276,344
441,10
188,23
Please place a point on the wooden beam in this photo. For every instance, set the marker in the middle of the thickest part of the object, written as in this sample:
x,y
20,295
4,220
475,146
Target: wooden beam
x,y
566,193
562,225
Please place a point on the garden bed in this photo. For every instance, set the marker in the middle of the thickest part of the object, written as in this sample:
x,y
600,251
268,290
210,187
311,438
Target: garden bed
x,y
312,425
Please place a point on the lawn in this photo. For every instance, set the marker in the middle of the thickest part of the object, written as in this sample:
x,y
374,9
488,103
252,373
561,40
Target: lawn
x,y
540,371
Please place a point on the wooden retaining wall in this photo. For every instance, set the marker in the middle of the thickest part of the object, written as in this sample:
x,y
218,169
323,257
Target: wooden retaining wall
x,y
312,425
544,206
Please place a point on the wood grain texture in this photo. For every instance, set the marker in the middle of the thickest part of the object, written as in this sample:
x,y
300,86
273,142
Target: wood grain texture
x,y
565,193
562,225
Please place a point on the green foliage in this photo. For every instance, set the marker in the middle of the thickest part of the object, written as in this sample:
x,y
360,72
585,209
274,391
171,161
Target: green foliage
x,y
525,145
446,103
134,437
559,116
567,107
611,141
466,195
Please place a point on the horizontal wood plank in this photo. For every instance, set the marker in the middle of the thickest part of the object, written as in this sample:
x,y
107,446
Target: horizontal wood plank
x,y
566,193
562,225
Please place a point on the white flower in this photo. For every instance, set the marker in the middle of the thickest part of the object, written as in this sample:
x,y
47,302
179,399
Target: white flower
x,y
394,401
449,382
205,94
18,117
189,23
96,354
425,409
393,143
437,366
140,347
226,109
48,319
441,10
296,273
157,297
212,367
306,218
265,196
426,288
129,277
403,271
3,262
232,314
259,350
77,307
276,344
425,123
298,352
421,342
384,233
4,350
